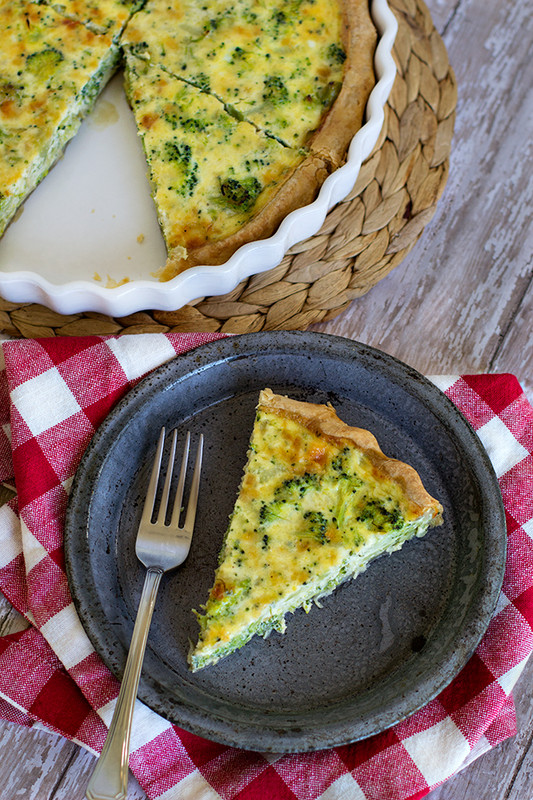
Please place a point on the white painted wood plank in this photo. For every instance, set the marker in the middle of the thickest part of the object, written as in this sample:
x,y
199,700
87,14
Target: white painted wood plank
x,y
10,620
75,779
32,762
37,765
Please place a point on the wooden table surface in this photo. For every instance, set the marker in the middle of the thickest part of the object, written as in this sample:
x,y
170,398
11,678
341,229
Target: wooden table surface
x,y
461,302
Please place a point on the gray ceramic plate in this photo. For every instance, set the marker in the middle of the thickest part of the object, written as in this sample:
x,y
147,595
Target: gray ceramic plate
x,y
383,645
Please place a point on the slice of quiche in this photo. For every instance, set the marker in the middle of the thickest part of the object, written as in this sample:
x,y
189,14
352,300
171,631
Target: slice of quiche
x,y
217,181
52,69
299,72
318,501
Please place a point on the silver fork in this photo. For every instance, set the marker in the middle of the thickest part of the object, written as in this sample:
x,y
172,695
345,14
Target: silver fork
x,y
160,547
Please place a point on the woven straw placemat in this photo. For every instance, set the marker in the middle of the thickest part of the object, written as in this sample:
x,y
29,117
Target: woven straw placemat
x,y
362,239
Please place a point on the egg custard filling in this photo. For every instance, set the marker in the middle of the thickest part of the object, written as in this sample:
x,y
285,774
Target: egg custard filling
x,y
317,503
277,65
101,16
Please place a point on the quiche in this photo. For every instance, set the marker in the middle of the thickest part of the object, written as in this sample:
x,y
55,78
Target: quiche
x,y
318,502
260,97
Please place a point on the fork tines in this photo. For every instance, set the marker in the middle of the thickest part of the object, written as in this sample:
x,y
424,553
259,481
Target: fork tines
x,y
151,494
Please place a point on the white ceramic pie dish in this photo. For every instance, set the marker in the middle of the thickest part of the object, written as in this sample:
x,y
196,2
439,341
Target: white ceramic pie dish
x,y
91,222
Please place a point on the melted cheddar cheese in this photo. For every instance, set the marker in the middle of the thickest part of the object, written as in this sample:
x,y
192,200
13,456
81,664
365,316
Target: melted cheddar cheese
x,y
312,511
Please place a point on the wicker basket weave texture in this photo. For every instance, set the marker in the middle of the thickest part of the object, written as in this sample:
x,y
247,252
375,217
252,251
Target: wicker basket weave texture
x,y
363,238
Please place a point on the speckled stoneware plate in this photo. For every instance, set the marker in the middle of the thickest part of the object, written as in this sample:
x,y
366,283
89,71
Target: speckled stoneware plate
x,y
384,644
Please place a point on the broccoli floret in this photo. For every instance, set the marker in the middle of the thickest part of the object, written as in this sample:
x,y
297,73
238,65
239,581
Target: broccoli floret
x,y
339,464
279,17
180,154
336,54
275,90
378,517
193,124
171,119
316,525
341,468
138,48
294,488
271,512
44,63
289,492
240,193
224,599
212,24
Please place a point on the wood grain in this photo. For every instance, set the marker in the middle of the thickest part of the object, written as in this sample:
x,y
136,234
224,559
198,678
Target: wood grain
x,y
462,301
468,277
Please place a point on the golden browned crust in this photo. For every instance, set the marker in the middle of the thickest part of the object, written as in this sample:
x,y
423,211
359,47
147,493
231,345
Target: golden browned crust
x,y
299,189
327,147
323,420
345,117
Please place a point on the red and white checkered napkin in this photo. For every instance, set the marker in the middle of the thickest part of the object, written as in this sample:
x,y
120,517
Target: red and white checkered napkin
x,y
53,395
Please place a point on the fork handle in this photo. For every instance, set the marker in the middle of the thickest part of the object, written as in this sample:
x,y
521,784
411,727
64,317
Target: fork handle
x,y
109,780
